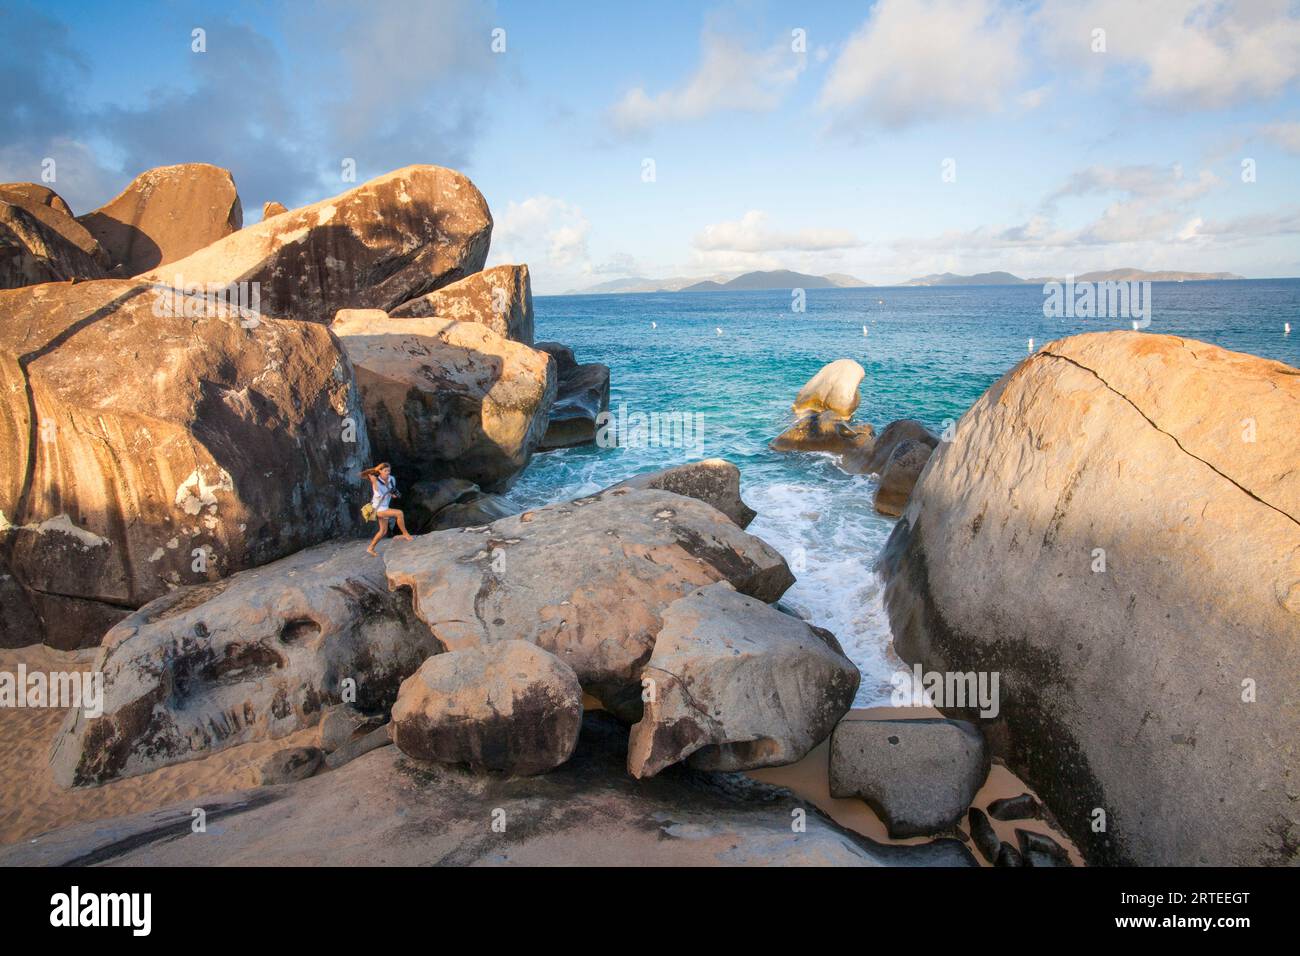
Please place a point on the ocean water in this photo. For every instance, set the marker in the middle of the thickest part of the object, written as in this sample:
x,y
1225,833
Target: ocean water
x,y
929,353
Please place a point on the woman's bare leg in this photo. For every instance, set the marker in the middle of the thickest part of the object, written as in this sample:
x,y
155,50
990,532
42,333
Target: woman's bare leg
x,y
383,530
399,518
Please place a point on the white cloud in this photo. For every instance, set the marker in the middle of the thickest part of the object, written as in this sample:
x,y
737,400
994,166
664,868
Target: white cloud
x,y
1155,211
1286,135
1139,182
751,234
1190,53
917,60
729,77
547,234
1285,222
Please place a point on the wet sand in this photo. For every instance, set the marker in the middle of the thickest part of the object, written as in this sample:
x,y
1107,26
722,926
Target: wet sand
x,y
810,779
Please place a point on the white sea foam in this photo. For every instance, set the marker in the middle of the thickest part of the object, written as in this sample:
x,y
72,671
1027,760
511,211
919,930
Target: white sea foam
x,y
831,536
824,525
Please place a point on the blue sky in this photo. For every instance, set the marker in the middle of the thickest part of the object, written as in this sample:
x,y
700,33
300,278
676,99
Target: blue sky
x,y
783,135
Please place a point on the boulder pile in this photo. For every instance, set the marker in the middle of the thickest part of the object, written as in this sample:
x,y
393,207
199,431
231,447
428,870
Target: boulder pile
x,y
481,642
190,405
233,429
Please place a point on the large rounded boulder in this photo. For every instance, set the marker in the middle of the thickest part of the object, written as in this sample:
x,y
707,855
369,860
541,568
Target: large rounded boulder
x,y
715,481
389,240
164,214
500,298
253,657
735,684
1115,530
149,450
833,389
509,706
445,398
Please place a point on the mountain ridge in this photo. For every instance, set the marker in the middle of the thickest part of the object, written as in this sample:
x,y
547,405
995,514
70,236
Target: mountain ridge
x,y
789,279
770,279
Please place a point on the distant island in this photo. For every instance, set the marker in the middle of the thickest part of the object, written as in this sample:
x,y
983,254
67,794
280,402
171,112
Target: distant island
x,y
1110,275
787,279
776,279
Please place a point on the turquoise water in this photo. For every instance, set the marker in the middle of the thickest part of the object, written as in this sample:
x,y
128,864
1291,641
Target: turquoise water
x,y
929,353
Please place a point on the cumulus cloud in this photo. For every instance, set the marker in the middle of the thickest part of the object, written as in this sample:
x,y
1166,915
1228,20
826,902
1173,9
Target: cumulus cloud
x,y
549,235
729,77
749,244
750,233
918,60
1190,53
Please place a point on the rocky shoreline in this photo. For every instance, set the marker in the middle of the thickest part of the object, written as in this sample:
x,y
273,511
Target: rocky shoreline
x,y
605,672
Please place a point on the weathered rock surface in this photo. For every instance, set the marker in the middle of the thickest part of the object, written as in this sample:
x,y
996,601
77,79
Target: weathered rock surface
x,y
272,208
374,247
1177,460
253,657
507,706
444,398
1023,807
1008,856
1038,849
381,736
473,511
385,809
582,394
39,243
164,215
212,447
339,723
423,500
872,459
826,431
919,775
500,298
714,481
33,194
833,389
904,467
291,765
587,580
734,684
983,835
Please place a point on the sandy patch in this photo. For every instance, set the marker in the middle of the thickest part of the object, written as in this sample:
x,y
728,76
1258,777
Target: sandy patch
x,y
32,803
810,779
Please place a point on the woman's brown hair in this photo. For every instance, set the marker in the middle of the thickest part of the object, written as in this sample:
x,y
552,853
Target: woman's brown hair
x,y
375,470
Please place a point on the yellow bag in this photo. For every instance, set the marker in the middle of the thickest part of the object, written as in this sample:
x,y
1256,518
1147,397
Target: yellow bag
x,y
368,511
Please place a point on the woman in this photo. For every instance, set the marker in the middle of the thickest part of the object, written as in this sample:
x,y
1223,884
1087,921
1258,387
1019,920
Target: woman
x,y
383,489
